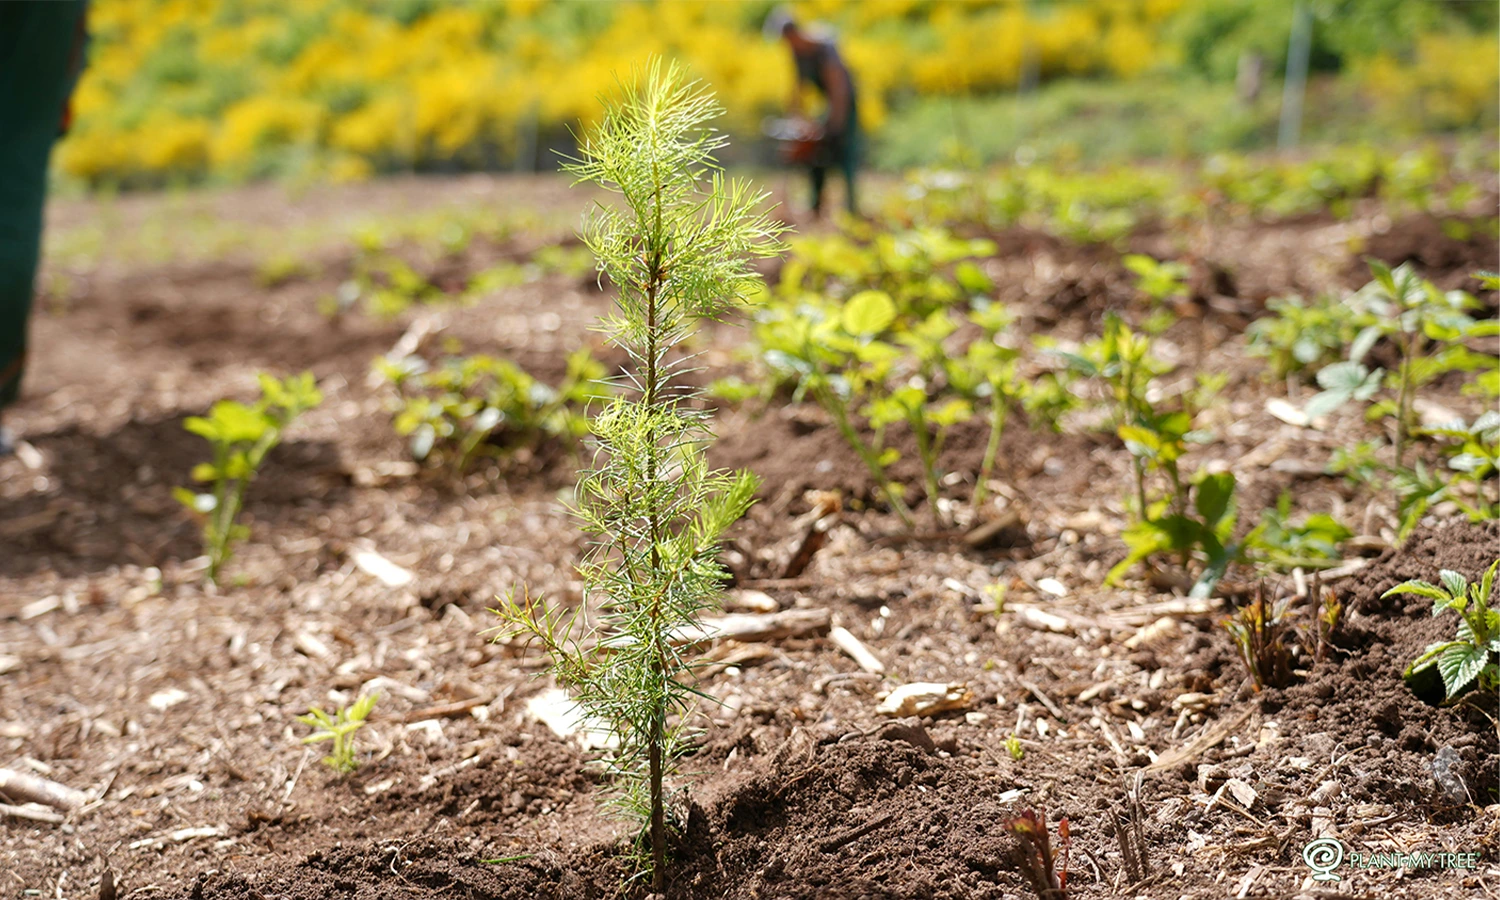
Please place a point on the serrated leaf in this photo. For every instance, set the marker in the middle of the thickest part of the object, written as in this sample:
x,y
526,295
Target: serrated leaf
x,y
1460,665
1418,588
1457,584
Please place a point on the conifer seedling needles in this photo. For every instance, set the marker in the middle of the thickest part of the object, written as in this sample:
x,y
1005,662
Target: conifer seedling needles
x,y
677,250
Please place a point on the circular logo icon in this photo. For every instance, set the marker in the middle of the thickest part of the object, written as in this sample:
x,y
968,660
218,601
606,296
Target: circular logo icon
x,y
1323,856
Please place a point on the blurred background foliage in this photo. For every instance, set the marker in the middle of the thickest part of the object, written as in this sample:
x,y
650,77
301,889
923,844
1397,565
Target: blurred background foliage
x,y
184,91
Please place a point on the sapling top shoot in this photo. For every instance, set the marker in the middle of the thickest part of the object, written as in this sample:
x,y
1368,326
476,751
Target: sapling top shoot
x,y
677,248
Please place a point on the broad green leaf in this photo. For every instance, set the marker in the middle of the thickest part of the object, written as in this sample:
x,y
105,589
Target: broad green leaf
x,y
1418,588
1456,583
868,313
237,423
1215,494
1324,403
1460,665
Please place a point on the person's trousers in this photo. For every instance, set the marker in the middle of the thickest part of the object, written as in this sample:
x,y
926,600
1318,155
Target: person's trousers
x,y
841,151
38,41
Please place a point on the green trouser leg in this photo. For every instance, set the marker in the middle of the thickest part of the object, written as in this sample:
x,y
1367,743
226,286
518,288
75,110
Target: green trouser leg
x,y
37,42
849,161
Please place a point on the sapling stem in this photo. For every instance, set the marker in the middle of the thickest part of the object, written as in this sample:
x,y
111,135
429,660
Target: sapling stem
x,y
991,446
836,407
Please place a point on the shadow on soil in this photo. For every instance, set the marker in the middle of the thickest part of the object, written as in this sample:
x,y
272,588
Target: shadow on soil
x,y
109,501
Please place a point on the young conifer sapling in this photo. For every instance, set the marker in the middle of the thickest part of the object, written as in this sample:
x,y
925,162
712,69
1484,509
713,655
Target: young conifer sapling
x,y
677,248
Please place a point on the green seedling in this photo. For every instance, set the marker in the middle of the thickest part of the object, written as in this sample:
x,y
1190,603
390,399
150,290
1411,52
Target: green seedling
x,y
1430,330
1163,283
474,406
1281,544
988,374
678,251
836,356
1471,657
1301,336
1259,631
1473,455
241,436
340,729
1013,747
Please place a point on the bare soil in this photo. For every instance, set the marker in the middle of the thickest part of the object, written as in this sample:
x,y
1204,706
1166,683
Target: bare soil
x,y
122,674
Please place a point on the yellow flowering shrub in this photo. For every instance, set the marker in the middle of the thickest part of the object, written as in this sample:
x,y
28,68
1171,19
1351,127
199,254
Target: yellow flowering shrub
x,y
1452,80
188,88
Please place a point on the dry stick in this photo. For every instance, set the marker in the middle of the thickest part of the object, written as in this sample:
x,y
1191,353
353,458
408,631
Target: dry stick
x,y
34,789
847,837
812,541
1211,737
32,813
1043,699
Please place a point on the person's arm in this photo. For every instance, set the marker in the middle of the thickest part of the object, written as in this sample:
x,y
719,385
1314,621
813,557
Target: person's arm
x,y
794,104
838,96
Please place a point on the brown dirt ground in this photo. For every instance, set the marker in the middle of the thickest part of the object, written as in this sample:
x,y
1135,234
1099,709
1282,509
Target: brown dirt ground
x,y
121,674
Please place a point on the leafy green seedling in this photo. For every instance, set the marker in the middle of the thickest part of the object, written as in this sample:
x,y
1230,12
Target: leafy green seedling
x,y
1299,335
340,729
678,251
1473,453
1430,330
473,406
1281,544
1471,656
1163,283
1013,747
241,436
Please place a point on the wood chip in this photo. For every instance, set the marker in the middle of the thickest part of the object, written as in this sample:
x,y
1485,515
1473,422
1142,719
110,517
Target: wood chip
x,y
925,699
559,712
385,571
745,627
32,812
857,651
1287,412
751,601
1041,620
446,710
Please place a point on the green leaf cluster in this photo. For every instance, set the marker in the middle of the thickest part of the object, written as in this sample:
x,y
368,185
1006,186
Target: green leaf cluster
x,y
241,435
1302,336
467,407
1473,653
340,729
1434,335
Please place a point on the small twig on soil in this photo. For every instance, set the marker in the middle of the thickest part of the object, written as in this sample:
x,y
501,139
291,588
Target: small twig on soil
x,y
813,538
292,785
33,813
847,642
35,789
446,710
1043,699
848,837
1209,738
